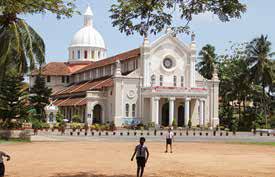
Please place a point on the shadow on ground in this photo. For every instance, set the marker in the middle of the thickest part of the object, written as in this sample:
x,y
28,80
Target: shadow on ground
x,y
91,174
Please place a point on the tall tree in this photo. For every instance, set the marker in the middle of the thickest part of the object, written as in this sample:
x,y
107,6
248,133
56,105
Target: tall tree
x,y
13,98
40,96
259,58
21,47
152,16
207,61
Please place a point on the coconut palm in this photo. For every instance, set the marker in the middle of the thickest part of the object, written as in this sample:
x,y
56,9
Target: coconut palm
x,y
208,60
20,45
259,59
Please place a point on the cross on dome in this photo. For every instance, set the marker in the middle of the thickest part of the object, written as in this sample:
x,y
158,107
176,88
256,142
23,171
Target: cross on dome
x,y
88,17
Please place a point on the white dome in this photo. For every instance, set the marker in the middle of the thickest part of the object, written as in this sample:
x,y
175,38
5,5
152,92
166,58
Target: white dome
x,y
88,36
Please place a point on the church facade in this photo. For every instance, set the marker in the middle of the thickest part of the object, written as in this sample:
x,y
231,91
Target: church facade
x,y
154,83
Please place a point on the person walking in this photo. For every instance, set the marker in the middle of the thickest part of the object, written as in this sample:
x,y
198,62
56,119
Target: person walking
x,y
169,140
2,166
142,154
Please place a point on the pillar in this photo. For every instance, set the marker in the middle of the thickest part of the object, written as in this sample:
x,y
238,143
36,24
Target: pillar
x,y
202,112
157,110
152,99
187,110
171,110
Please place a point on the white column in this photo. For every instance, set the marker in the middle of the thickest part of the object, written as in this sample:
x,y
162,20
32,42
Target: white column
x,y
171,110
153,109
201,112
157,110
187,110
90,119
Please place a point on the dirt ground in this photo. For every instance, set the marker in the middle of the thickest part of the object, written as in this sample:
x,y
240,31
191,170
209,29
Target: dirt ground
x,y
112,159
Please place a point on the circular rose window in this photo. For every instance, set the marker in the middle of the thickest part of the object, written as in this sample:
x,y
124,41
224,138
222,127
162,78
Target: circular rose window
x,y
167,63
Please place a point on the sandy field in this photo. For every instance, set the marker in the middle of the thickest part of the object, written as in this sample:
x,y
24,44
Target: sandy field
x,y
112,159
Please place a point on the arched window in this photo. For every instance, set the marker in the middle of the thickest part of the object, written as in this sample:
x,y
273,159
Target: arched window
x,y
78,54
175,81
161,80
85,54
182,81
127,110
133,110
99,54
72,54
93,54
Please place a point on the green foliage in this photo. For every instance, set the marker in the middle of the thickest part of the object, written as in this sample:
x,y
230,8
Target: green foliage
x,y
21,47
11,125
76,118
174,123
152,16
13,98
59,117
151,124
189,123
75,126
37,124
40,95
245,81
207,61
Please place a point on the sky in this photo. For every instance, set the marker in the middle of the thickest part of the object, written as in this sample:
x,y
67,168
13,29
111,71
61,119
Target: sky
x,y
57,34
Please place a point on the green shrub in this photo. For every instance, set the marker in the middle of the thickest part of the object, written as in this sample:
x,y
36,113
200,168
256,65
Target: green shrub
x,y
56,125
37,124
59,117
11,125
76,119
189,123
45,125
75,126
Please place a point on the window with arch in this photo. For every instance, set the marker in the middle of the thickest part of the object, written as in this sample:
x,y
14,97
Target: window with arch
x,y
133,110
182,81
99,54
78,54
72,54
161,80
93,54
175,81
85,54
127,110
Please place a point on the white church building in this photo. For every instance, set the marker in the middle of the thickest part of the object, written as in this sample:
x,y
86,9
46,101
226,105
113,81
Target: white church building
x,y
156,82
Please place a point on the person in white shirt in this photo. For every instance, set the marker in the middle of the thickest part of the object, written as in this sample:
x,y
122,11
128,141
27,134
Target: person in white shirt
x,y
169,140
142,155
2,166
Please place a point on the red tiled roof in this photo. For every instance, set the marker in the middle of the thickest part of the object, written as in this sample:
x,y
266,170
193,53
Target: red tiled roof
x,y
86,86
122,56
79,101
60,68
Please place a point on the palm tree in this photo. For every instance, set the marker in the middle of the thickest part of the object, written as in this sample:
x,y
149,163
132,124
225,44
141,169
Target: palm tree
x,y
208,60
259,59
21,47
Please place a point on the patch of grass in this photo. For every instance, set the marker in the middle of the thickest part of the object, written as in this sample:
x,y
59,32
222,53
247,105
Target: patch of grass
x,y
13,140
255,143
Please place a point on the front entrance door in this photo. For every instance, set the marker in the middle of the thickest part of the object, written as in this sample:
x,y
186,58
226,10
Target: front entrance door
x,y
97,114
181,118
165,114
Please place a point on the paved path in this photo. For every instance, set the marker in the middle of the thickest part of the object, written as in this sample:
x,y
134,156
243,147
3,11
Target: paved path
x,y
244,138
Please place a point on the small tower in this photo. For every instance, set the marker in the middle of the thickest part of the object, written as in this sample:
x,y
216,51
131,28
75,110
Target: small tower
x,y
193,61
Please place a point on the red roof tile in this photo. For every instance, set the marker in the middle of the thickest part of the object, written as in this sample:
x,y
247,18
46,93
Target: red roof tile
x,y
60,68
79,101
122,56
86,86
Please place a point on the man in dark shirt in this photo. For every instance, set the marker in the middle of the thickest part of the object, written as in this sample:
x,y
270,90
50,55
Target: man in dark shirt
x,y
2,166
142,155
